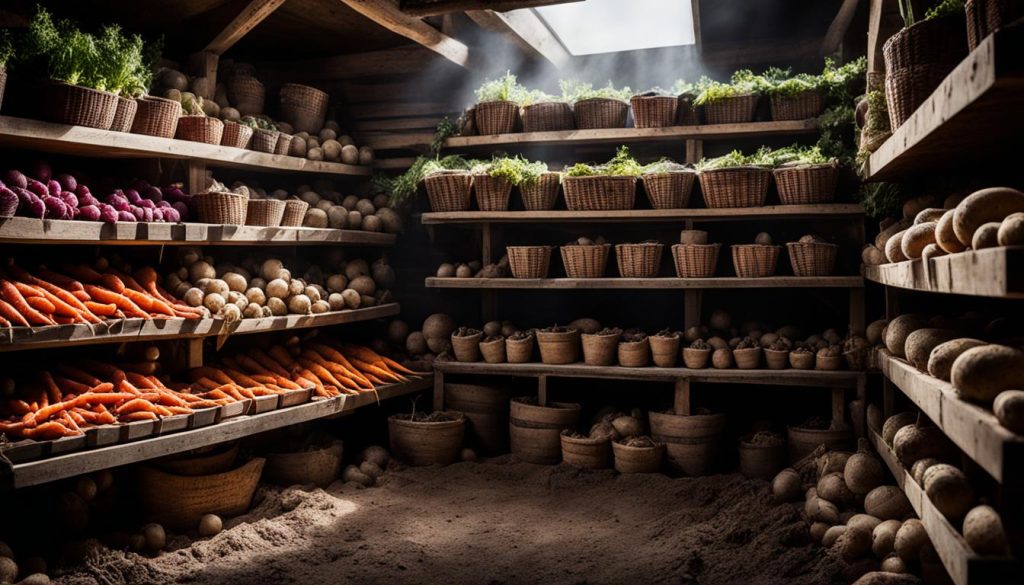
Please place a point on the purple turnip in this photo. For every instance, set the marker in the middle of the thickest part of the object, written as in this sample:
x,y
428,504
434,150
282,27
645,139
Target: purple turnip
x,y
53,187
55,208
69,199
146,203
158,214
15,180
133,196
82,189
42,171
90,213
171,214
108,213
38,188
8,202
119,202
182,209
163,204
147,214
67,182
138,212
31,204
88,199
126,216
152,193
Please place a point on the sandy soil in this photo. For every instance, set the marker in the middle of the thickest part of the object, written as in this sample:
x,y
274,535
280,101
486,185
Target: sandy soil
x,y
497,522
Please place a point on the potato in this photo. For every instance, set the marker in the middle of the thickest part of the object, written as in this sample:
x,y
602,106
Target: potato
x,y
987,205
910,539
235,282
929,215
942,356
354,475
314,153
894,564
865,521
277,306
920,466
872,256
298,148
916,238
332,150
983,531
8,570
894,247
854,543
365,206
948,489
1011,231
353,300
920,343
299,305
355,220
883,537
883,236
787,486
155,537
316,218
214,302
912,207
818,530
832,487
201,269
945,237
914,442
832,462
887,502
863,472
372,223
349,154
821,510
722,358
210,525
1009,409
932,251
986,236
296,287
981,373
832,535
365,155
390,220
364,285
899,329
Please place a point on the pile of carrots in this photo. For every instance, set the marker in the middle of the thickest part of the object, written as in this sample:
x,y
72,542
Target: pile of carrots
x,y
78,293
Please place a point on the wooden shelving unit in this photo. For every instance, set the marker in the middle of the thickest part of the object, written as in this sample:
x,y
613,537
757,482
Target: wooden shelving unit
x,y
647,283
993,272
780,212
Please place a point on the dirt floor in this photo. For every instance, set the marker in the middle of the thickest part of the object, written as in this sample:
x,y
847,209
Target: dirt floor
x,y
497,522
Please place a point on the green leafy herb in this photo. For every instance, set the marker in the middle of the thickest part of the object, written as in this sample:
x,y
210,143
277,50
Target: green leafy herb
x,y
945,8
574,90
665,165
683,87
880,199
621,165
516,170
763,157
446,128
799,155
504,88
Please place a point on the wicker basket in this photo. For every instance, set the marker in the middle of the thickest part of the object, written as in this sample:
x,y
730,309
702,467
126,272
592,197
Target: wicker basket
x,y
586,452
247,94
236,135
303,107
687,114
776,359
801,360
585,261
264,140
265,212
638,260
519,351
79,106
668,190
635,354
600,350
493,351
492,193
124,115
216,459
802,106
731,110
200,129
284,143
317,466
156,117
449,190
466,348
828,362
599,193
804,184
747,358
294,212
696,359
222,208
735,187
596,113
178,502
985,17
498,117
638,459
665,350
654,111
541,194
906,89
755,260
917,59
559,347
695,260
812,258
529,261
548,117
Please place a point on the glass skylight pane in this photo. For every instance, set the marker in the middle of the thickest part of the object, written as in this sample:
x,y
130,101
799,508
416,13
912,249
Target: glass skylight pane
x,y
606,26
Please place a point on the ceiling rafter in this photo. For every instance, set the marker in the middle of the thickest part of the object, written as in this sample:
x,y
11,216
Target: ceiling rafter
x,y
245,21
422,9
387,14
524,29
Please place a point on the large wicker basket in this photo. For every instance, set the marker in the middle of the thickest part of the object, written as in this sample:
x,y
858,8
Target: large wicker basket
x,y
498,117
906,89
548,117
638,260
600,349
284,142
79,106
200,129
755,260
221,207
559,347
917,59
599,193
654,111
492,193
236,135
449,190
731,110
124,115
695,260
264,140
303,107
812,258
802,106
596,113
294,212
178,501
668,190
156,117
247,94
585,261
806,183
264,212
735,187
529,261
542,194
985,17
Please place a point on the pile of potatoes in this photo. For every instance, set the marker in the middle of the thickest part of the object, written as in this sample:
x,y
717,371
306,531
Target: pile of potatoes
x,y
330,145
475,269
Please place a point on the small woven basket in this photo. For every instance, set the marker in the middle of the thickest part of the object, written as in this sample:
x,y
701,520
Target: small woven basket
x,y
542,194
529,261
303,107
79,106
731,110
668,190
735,187
635,354
284,142
596,113
695,260
247,94
599,193
687,114
802,106
600,350
748,358
547,117
664,350
220,207
776,359
812,258
638,260
200,129
265,212
583,261
493,351
801,360
178,502
294,212
467,347
264,140
654,111
492,193
124,115
755,260
498,117
806,183
519,351
449,190
156,117
829,362
236,135
559,347
696,359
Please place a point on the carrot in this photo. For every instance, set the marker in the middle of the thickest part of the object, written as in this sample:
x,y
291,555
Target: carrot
x,y
4,322
123,303
93,417
26,290
15,298
19,407
42,305
105,310
83,273
8,311
317,384
270,362
71,386
101,368
279,353
320,372
49,411
50,430
210,373
331,354
381,373
337,370
54,290
402,369
148,303
135,405
82,295
262,364
79,375
138,416
95,398
206,384
62,307
64,282
240,378
53,391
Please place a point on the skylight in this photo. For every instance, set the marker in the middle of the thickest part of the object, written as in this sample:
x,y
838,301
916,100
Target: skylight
x,y
607,26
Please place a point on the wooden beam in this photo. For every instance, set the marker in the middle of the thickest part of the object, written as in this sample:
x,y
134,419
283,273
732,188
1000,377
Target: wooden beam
x,y
525,30
398,61
245,21
883,21
837,30
695,11
778,51
387,14
421,9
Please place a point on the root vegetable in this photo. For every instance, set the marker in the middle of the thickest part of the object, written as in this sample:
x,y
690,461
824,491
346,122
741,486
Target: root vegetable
x,y
8,570
377,455
277,306
942,357
1009,409
893,564
983,531
372,223
256,296
987,205
86,488
920,343
854,543
299,305
364,285
210,525
931,214
872,256
252,311
887,502
35,579
874,331
914,442
193,297
337,283
319,307
390,220
981,373
722,358
336,301
1011,231
821,510
314,152
349,154
910,539
312,293
200,270
214,302
627,426
315,218
832,462
894,247
352,298
832,535
787,486
365,155
948,489
833,488
337,217
331,149
986,236
885,234
899,329
156,538
818,530
916,238
415,343
356,268
353,474
945,237
371,469
216,286
277,288
863,472
883,537
894,423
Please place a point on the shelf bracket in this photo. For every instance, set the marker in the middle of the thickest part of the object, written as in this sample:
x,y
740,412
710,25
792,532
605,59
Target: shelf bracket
x,y
542,390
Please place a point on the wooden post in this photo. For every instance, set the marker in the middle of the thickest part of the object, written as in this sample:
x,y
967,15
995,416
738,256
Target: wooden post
x,y
691,308
488,298
438,390
838,407
694,151
857,324
196,176
195,352
682,399
204,64
542,390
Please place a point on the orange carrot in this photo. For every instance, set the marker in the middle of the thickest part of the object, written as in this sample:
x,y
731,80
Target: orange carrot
x,y
135,405
42,305
53,392
397,366
332,355
15,298
123,303
83,273
94,398
8,311
60,280
279,353
368,369
79,375
320,372
26,290
4,322
148,303
71,386
270,362
54,290
50,430
307,375
206,384
138,416
105,310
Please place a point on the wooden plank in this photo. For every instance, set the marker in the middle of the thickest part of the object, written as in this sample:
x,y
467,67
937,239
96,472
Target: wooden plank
x,y
993,272
647,283
975,430
414,141
388,15
390,125
681,403
837,29
241,24
423,9
883,21
397,163
647,215
525,30
25,134
399,109
404,60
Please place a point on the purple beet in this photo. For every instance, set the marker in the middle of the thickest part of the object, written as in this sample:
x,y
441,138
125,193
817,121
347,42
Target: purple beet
x,y
171,214
67,182
55,208
82,189
119,202
152,193
108,213
146,203
147,214
158,214
182,210
31,204
15,179
126,216
38,188
163,204
90,213
42,171
8,202
133,196
139,213
53,187
69,199
88,199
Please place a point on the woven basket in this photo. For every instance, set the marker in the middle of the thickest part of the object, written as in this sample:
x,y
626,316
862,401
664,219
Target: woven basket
x,y
541,194
748,358
806,183
493,351
695,260
219,207
178,501
802,106
830,362
687,114
654,111
599,193
735,187
498,117
318,466
812,258
284,142
79,106
247,94
264,140
917,59
634,354
519,351
303,107
754,260
156,117
217,459
906,89
731,110
596,113
529,261
801,360
124,115
600,350
668,190
776,359
492,193
559,347
548,117
449,190
265,212
638,260
200,129
985,17
696,359
294,212
236,135
467,347
585,261
664,350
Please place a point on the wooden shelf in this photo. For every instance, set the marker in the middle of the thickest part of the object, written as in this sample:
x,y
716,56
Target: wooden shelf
x,y
827,210
961,125
993,272
26,134
134,330
25,230
647,283
975,430
963,565
79,462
